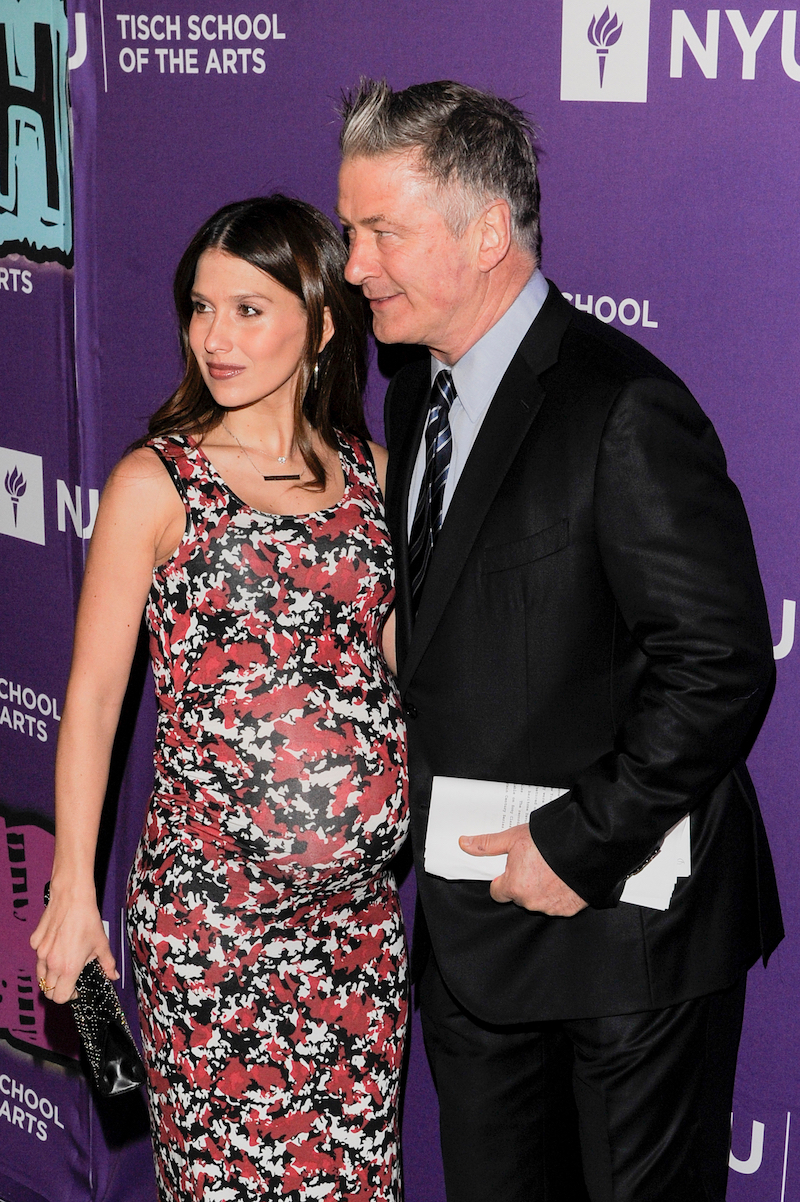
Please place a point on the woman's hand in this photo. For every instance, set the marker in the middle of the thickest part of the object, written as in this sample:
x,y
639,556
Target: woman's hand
x,y
69,935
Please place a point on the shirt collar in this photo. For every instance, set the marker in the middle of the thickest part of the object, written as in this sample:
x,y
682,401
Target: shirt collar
x,y
478,373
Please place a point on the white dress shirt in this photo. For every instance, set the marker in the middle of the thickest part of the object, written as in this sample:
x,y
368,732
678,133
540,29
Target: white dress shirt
x,y
476,377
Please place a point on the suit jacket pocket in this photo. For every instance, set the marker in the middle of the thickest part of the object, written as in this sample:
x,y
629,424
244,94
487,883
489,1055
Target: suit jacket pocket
x,y
525,550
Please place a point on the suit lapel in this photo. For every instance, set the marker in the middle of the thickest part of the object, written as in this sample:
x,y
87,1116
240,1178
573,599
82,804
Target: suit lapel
x,y
510,415
398,484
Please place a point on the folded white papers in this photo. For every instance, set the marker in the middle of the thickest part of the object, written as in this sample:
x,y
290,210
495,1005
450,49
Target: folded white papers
x,y
461,806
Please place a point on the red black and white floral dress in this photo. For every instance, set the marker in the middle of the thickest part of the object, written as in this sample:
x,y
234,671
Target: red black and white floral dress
x,y
262,914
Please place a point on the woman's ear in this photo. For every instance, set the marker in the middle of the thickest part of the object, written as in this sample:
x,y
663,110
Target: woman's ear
x,y
327,328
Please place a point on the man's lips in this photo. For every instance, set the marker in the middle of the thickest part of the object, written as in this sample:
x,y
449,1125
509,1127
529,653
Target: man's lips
x,y
381,300
224,371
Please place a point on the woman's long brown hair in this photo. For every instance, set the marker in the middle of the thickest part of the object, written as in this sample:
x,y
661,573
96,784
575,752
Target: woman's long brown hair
x,y
300,248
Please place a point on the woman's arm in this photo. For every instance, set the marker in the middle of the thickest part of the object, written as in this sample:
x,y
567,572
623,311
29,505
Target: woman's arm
x,y
139,522
381,458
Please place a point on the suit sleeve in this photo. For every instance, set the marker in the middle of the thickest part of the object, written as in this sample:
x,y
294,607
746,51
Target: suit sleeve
x,y
676,548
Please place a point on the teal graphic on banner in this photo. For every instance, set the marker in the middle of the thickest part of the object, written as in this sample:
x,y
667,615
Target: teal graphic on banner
x,y
35,187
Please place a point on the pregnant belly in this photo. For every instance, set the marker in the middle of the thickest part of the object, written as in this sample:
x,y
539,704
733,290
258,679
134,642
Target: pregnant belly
x,y
332,824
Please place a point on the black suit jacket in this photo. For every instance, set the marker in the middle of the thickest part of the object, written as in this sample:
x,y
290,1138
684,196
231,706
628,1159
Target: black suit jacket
x,y
592,618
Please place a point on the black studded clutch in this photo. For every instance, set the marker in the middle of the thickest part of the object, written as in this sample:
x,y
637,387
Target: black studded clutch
x,y
115,1062
104,1032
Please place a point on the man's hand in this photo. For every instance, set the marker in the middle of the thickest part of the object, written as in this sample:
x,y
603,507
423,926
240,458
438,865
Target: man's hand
x,y
528,880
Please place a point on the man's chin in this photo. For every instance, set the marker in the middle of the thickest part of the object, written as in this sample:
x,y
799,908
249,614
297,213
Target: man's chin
x,y
390,332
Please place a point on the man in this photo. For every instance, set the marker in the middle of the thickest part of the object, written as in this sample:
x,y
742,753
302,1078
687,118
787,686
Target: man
x,y
578,606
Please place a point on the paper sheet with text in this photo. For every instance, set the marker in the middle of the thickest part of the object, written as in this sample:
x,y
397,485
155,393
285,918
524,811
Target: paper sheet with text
x,y
462,806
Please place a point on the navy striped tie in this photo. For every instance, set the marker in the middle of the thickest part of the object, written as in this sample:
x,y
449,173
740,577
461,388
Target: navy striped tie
x,y
428,517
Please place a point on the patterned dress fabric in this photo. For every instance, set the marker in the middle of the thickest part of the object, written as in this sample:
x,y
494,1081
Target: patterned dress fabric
x,y
262,913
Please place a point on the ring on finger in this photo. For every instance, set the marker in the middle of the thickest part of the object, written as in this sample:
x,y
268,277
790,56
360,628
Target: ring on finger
x,y
45,988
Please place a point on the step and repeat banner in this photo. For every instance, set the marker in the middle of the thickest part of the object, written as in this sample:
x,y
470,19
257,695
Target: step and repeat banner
x,y
670,180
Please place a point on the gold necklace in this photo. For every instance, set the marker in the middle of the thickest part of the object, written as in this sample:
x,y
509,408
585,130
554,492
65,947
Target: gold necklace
x,y
281,459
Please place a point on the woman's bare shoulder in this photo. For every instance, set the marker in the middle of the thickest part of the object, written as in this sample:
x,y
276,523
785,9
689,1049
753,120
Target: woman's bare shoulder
x,y
139,488
143,464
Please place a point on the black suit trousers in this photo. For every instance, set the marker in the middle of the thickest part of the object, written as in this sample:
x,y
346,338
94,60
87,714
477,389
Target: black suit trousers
x,y
630,1108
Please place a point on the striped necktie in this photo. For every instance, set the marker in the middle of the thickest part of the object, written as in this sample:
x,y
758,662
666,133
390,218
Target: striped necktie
x,y
428,517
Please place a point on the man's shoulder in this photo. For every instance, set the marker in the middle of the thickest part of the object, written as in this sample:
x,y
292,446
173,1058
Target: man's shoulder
x,y
602,354
601,370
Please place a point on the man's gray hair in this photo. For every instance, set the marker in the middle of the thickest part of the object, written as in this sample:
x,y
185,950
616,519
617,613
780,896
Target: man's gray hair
x,y
475,140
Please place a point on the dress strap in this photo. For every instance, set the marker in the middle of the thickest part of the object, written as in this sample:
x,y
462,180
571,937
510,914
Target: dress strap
x,y
366,451
360,469
171,450
357,455
205,495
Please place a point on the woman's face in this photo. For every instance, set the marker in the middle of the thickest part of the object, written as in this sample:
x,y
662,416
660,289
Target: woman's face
x,y
247,332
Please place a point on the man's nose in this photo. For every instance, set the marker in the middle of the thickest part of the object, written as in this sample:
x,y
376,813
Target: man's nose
x,y
360,263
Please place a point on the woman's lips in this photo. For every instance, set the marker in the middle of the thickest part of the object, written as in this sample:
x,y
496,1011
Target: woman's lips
x,y
224,371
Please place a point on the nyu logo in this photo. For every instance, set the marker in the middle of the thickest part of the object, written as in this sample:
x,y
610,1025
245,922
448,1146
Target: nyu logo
x,y
617,37
704,44
604,50
35,189
22,501
21,495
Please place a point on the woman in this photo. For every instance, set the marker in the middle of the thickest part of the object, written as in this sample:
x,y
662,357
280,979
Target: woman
x,y
262,916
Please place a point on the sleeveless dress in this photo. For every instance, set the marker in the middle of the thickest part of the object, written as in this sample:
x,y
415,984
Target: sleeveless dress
x,y
263,918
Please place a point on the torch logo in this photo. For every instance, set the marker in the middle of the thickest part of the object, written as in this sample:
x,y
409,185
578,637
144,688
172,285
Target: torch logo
x,y
605,50
21,495
16,486
604,32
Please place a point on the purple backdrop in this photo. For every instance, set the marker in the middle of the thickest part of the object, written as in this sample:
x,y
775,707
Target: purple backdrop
x,y
669,208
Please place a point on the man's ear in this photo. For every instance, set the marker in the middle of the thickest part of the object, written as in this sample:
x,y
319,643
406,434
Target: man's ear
x,y
494,233
327,329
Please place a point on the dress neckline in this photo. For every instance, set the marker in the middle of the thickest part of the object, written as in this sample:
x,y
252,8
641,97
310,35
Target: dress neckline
x,y
268,513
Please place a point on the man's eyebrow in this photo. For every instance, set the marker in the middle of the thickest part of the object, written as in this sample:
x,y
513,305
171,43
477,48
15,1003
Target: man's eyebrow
x,y
378,219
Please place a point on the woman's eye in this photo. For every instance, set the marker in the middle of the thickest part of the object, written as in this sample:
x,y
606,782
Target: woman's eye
x,y
249,310
199,307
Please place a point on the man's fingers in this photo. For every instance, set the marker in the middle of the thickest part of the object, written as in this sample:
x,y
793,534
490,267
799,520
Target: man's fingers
x,y
495,844
498,891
